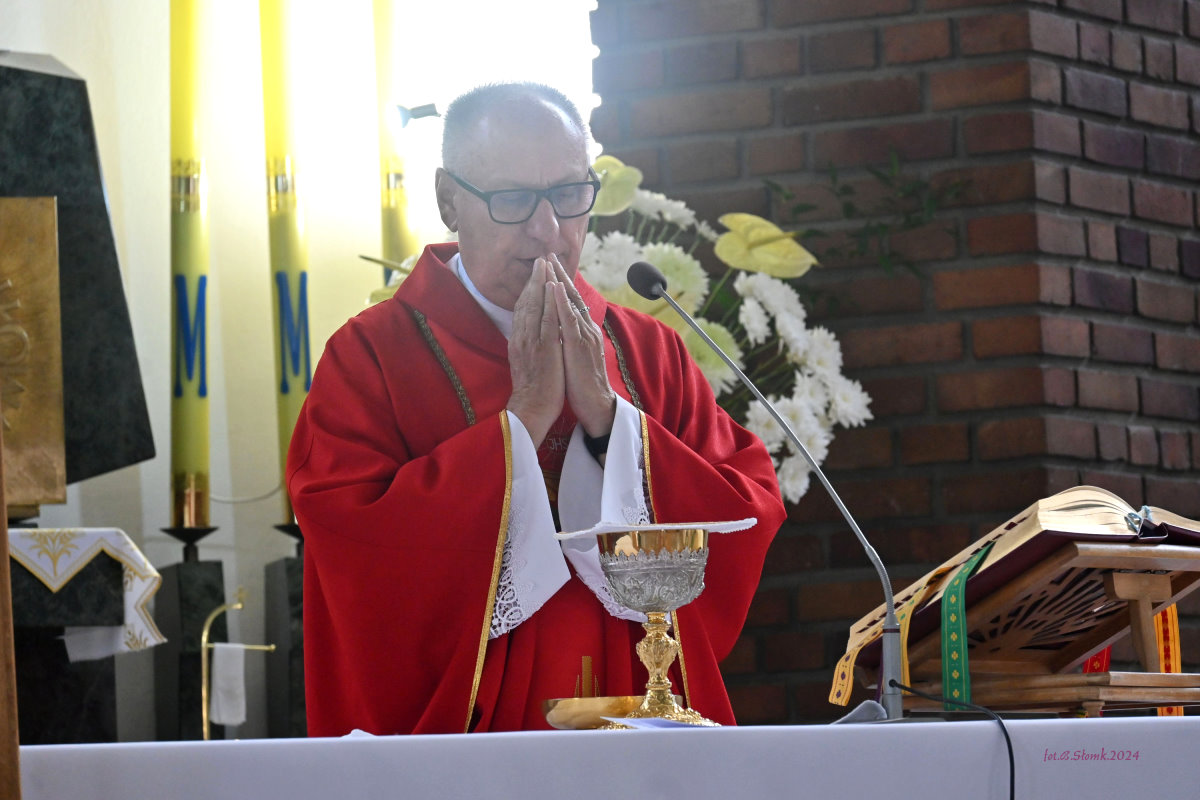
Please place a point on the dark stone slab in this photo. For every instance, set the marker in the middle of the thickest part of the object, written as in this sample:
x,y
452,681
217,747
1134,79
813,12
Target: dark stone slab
x,y
94,596
190,591
285,666
48,149
59,702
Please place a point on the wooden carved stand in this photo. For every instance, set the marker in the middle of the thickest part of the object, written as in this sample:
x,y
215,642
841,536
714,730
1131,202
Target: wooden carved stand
x,y
1027,638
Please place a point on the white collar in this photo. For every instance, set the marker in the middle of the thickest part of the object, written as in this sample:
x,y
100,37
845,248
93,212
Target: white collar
x,y
501,316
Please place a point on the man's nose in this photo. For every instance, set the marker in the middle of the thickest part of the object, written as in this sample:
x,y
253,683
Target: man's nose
x,y
543,225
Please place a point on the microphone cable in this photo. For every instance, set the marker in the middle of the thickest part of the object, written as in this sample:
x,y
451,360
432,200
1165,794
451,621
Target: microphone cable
x,y
1012,769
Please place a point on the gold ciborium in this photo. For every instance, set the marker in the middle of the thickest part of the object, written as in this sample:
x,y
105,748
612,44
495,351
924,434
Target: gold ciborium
x,y
656,572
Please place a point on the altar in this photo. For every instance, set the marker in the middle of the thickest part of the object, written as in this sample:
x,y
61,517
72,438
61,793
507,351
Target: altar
x,y
1055,758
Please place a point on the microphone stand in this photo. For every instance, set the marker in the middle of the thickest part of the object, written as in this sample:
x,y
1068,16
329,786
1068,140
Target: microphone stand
x,y
890,673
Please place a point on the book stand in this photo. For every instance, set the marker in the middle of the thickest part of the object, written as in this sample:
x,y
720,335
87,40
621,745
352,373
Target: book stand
x,y
1029,632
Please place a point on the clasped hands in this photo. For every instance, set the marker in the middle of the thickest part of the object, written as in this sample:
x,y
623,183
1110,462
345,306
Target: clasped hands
x,y
556,353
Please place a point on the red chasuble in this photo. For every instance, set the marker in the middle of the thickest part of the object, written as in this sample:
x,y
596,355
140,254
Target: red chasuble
x,y
400,474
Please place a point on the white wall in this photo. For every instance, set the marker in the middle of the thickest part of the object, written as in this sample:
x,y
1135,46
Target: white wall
x,y
120,48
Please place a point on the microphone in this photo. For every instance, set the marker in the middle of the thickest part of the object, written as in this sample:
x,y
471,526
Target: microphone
x,y
646,280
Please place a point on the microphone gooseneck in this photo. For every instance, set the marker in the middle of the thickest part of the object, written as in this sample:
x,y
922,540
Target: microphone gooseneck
x,y
646,280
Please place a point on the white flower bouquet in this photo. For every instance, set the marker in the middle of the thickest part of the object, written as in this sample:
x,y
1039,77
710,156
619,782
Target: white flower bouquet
x,y
750,311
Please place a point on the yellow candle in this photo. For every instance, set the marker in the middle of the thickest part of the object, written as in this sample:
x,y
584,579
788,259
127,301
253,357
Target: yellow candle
x,y
189,275
289,253
398,239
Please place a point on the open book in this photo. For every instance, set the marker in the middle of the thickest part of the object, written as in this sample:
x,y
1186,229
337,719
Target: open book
x,y
1019,547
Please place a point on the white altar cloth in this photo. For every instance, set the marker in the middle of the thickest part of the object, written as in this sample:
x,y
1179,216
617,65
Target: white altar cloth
x,y
918,760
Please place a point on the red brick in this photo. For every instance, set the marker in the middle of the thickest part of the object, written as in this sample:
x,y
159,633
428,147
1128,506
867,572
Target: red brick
x,y
1053,34
1158,106
770,58
875,144
770,607
789,554
936,241
1107,9
1008,233
1143,445
859,448
1177,352
1162,15
997,133
837,51
743,658
1127,51
1094,44
1065,336
993,33
849,100
1011,438
793,650
800,12
1164,252
1160,59
1050,181
1162,203
759,703
1174,494
996,388
1122,343
1189,258
1133,247
1061,235
706,62
816,602
1169,155
1193,18
1099,191
979,86
712,203
891,397
775,154
930,444
902,344
605,24
606,122
1102,241
991,184
1095,92
1107,390
875,498
901,292
1103,291
702,160
989,287
644,158
1171,302
1187,63
1006,336
1173,446
1068,436
628,70
917,41
1045,82
668,19
1118,147
1056,133
1196,449
1112,443
901,545
1127,487
699,112
1001,491
1169,399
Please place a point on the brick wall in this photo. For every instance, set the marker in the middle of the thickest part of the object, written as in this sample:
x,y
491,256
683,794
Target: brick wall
x,y
1048,333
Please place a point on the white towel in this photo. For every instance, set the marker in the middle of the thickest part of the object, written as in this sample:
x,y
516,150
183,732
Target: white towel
x,y
228,703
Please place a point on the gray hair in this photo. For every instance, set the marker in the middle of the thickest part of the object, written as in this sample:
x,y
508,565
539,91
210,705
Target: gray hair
x,y
462,115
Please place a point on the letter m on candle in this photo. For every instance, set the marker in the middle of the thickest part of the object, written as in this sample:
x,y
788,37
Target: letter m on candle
x,y
190,335
293,332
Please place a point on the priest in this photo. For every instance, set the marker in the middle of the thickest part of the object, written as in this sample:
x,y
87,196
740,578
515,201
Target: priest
x,y
497,398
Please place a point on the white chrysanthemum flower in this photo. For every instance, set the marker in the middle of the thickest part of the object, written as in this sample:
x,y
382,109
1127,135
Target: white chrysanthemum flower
x,y
706,231
849,404
794,337
720,377
616,252
793,474
808,427
649,204
810,390
686,279
677,212
753,318
776,297
824,353
762,424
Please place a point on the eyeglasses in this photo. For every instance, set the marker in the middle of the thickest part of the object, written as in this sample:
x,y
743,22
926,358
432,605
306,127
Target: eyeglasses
x,y
514,206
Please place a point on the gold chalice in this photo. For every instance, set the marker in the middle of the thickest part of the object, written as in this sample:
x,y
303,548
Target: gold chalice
x,y
656,571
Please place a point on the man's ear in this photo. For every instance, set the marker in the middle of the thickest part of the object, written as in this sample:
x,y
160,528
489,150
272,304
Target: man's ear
x,y
446,189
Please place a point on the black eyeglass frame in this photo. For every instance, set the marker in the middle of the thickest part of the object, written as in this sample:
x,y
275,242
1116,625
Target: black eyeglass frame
x,y
540,194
